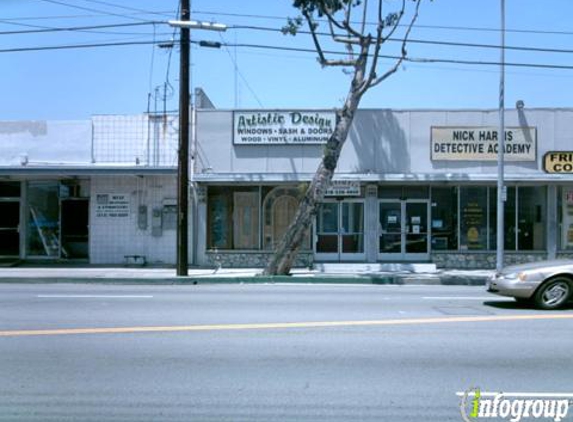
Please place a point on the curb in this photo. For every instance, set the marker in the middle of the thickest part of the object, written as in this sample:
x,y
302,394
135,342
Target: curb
x,y
191,280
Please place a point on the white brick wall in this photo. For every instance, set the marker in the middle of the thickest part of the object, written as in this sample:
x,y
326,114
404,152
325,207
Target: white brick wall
x,y
111,238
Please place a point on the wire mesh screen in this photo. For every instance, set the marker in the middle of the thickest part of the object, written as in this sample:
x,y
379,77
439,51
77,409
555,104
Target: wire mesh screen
x,y
147,140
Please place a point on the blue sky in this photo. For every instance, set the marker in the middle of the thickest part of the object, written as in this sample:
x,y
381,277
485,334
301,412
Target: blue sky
x,y
76,83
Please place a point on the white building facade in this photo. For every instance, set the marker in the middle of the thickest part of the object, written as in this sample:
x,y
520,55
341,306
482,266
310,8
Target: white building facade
x,y
410,186
101,191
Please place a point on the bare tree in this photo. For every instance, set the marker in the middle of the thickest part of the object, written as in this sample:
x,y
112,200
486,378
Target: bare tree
x,y
362,62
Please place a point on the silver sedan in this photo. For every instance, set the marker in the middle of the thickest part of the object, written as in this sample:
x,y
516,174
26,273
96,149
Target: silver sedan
x,y
547,284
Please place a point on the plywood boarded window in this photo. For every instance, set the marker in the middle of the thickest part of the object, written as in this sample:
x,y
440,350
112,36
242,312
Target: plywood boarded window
x,y
246,220
283,211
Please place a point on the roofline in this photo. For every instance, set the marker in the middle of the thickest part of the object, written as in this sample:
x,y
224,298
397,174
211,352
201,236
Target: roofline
x,y
399,110
387,178
85,171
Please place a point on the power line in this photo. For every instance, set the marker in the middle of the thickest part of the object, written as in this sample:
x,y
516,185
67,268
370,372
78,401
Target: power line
x,y
44,29
455,28
418,41
78,46
99,15
89,9
143,11
410,59
294,49
236,68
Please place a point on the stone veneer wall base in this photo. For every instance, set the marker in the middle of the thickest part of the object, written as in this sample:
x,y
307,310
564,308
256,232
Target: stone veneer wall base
x,y
482,261
219,259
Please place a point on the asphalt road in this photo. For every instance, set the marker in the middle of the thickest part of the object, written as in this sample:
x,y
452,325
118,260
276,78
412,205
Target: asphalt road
x,y
269,352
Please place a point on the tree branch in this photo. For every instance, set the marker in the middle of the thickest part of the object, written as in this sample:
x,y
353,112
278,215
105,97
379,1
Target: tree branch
x,y
364,13
404,52
397,23
317,46
330,17
347,13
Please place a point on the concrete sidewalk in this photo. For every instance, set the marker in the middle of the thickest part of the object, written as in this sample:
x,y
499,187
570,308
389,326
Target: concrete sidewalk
x,y
145,275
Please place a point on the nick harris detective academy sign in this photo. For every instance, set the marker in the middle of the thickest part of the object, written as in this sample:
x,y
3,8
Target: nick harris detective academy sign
x,y
481,144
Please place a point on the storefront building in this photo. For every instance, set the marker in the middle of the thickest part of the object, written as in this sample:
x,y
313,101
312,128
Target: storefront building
x,y
98,191
411,186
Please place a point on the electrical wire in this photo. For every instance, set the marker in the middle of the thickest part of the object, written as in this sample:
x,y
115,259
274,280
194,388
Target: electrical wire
x,y
79,46
89,9
455,28
296,49
277,30
409,59
56,17
47,29
431,42
236,68
143,11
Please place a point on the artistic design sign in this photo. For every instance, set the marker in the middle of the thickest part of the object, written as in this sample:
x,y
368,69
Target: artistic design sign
x,y
481,144
112,205
558,162
282,127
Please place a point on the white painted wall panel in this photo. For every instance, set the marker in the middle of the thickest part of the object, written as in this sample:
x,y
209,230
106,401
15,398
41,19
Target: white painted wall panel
x,y
113,238
45,142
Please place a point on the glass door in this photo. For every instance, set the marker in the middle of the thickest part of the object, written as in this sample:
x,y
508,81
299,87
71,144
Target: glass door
x,y
416,242
390,230
339,231
9,228
43,234
351,236
403,230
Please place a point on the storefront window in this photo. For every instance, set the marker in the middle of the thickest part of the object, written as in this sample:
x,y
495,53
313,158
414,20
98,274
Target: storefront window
x,y
9,218
566,208
444,219
233,218
473,218
531,218
10,189
403,192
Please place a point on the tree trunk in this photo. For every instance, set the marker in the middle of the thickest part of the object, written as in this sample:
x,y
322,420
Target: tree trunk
x,y
289,246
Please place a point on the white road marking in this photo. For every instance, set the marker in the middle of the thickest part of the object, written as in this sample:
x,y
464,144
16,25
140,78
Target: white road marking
x,y
95,296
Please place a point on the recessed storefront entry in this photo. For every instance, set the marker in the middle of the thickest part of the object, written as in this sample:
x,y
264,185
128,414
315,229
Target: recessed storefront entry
x,y
339,231
403,230
9,228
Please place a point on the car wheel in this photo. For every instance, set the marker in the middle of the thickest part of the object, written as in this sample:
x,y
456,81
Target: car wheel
x,y
553,294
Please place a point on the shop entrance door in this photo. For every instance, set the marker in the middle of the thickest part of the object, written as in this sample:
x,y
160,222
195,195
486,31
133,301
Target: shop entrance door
x,y
74,227
9,228
339,231
43,231
403,230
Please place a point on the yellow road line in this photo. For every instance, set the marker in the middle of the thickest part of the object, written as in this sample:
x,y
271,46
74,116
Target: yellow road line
x,y
280,325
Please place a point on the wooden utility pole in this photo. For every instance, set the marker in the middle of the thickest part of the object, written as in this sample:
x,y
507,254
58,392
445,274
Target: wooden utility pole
x,y
183,153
